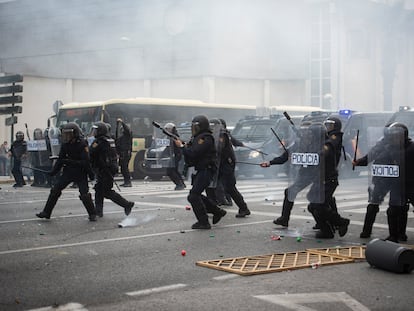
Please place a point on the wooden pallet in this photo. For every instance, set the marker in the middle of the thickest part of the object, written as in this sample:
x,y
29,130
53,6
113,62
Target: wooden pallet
x,y
353,252
274,262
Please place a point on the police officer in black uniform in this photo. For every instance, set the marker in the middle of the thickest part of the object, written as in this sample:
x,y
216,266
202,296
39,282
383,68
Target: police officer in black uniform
x,y
382,153
74,159
18,151
176,152
124,147
326,217
200,152
104,163
227,167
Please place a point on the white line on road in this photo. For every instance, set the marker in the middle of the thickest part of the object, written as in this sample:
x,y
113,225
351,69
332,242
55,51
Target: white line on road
x,y
156,290
134,237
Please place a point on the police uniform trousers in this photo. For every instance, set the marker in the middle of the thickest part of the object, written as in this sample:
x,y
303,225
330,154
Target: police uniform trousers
x,y
17,171
103,189
124,157
228,180
200,203
68,176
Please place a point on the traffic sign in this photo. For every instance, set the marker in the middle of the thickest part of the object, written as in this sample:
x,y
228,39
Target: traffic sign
x,y
11,120
11,110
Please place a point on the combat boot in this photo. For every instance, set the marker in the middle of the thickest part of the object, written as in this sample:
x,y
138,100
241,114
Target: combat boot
x,y
372,210
218,215
50,204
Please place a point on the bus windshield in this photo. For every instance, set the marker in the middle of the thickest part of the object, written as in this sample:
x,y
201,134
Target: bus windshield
x,y
85,117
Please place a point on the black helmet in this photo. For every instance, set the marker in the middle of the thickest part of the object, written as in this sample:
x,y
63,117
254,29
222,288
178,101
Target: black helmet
x,y
199,124
397,131
19,135
70,131
99,129
223,122
333,124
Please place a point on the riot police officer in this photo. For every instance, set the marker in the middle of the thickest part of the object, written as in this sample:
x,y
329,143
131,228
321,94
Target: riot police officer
x,y
176,153
323,179
395,147
74,159
104,163
18,151
200,153
227,167
124,147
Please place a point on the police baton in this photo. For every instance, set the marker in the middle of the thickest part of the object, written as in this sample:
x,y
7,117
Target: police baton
x,y
35,169
287,116
249,163
264,153
171,135
27,131
356,149
278,138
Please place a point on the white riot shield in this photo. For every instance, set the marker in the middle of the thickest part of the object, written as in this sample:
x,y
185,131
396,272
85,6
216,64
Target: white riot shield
x,y
387,168
307,160
39,155
54,141
161,152
217,128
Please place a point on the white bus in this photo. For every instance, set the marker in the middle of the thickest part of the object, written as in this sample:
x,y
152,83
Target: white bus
x,y
139,113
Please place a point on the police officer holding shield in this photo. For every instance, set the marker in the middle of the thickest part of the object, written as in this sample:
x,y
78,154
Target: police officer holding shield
x,y
200,153
315,156
391,172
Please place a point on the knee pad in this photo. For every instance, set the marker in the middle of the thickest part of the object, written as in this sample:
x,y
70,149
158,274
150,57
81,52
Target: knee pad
x,y
393,210
372,208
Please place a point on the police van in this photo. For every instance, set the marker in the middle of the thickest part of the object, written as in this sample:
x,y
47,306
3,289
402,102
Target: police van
x,y
404,115
261,144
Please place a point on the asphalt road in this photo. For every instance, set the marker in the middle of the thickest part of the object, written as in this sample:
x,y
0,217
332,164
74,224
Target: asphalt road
x,y
69,263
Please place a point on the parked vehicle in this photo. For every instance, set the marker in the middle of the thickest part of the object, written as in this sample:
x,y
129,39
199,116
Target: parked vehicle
x,y
406,116
261,144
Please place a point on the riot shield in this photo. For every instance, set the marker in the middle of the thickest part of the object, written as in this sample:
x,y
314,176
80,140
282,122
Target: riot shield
x,y
386,168
217,129
53,141
161,152
307,161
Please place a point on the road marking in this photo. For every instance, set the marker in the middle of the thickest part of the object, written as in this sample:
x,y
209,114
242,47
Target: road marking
x,y
156,290
134,237
71,306
226,277
295,301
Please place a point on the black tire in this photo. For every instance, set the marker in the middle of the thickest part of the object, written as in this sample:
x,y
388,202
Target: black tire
x,y
139,168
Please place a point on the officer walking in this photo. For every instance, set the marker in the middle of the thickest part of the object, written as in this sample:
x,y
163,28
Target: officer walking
x,y
104,163
227,167
176,153
18,151
123,144
74,158
321,175
200,152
